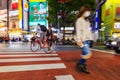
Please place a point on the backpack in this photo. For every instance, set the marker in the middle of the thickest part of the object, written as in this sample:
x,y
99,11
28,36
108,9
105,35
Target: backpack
x,y
43,28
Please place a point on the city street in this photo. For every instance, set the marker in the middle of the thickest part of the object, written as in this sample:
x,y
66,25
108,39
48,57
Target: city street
x,y
91,24
17,62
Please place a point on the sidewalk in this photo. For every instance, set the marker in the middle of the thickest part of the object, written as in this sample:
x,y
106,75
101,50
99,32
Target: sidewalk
x,y
103,48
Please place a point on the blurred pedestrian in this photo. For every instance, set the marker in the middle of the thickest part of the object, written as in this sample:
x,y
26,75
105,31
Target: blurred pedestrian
x,y
83,37
1,39
19,39
7,38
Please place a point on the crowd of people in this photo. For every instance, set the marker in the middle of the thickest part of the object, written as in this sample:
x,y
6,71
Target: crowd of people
x,y
8,39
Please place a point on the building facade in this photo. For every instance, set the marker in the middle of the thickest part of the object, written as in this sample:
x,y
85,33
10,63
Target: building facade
x,y
11,13
111,19
3,18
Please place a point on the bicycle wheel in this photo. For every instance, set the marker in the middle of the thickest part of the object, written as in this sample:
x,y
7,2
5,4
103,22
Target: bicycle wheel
x,y
48,47
34,46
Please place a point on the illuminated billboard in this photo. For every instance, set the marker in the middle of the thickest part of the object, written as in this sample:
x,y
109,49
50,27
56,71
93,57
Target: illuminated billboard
x,y
25,15
37,12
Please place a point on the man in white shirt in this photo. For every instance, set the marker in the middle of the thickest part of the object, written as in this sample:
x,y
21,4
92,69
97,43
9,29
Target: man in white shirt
x,y
41,33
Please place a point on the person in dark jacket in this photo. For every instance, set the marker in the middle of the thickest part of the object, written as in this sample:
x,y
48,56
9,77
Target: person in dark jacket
x,y
50,37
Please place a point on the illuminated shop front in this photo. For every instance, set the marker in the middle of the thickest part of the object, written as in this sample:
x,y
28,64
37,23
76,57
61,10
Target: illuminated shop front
x,y
3,22
68,32
18,19
13,18
111,18
18,22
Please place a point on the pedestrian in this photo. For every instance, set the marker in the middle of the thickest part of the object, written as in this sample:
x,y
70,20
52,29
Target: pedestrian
x,y
7,38
83,37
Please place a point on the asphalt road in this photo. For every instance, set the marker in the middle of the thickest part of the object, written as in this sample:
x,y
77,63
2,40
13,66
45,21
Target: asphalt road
x,y
57,66
25,47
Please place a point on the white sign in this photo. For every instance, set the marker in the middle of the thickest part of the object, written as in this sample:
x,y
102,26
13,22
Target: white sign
x,y
14,1
14,13
3,29
117,25
68,28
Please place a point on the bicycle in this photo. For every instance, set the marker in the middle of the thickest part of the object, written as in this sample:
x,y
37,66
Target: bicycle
x,y
36,45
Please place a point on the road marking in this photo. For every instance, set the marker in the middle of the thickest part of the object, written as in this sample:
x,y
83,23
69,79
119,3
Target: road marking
x,y
22,55
64,77
19,52
29,59
104,51
31,67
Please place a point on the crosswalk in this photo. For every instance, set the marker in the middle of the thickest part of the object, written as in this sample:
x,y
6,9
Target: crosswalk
x,y
29,57
29,61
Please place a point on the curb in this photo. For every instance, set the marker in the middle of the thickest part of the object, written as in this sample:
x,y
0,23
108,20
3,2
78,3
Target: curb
x,y
104,51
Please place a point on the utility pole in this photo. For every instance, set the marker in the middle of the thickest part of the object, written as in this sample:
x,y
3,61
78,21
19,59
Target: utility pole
x,y
8,14
98,16
28,15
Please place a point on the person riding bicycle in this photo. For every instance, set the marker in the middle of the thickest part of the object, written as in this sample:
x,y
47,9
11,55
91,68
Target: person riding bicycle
x,y
34,37
41,29
50,37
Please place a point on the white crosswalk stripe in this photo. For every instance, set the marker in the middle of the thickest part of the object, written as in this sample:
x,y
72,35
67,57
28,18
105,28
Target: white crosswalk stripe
x,y
31,67
12,58
23,55
64,77
19,57
29,59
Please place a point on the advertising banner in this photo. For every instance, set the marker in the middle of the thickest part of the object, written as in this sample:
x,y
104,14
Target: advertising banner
x,y
20,13
37,0
108,21
37,12
117,16
25,15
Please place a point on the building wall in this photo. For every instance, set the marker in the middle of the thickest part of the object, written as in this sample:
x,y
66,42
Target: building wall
x,y
3,4
109,16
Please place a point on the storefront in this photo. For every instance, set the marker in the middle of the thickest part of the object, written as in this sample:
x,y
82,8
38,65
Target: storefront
x,y
13,19
68,32
16,18
3,22
111,18
3,31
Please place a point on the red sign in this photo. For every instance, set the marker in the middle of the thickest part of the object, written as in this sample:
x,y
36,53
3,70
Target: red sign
x,y
14,4
62,1
118,10
107,12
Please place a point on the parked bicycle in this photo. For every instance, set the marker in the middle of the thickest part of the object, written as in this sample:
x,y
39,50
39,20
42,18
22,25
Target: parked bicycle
x,y
36,45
